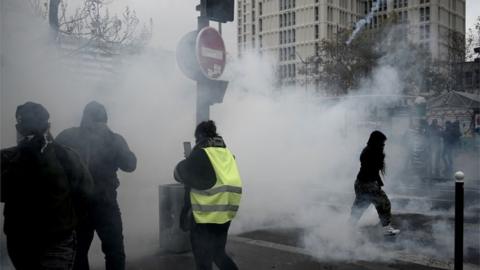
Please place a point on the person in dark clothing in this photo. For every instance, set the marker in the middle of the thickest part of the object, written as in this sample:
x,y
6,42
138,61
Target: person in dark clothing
x,y
104,152
434,137
211,179
451,138
368,185
44,187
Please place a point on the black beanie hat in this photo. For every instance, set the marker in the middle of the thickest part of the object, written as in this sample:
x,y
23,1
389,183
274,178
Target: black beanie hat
x,y
32,118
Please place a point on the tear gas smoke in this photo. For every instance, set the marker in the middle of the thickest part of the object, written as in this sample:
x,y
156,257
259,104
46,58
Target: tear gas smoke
x,y
366,20
294,149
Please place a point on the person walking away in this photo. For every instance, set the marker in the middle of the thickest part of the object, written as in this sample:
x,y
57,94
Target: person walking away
x,y
368,185
448,148
104,152
214,190
44,187
434,135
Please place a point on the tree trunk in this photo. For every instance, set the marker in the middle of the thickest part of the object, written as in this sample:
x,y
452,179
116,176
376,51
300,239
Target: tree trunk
x,y
53,14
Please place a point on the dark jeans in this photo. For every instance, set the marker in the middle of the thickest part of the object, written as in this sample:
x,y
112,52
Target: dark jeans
x,y
367,193
208,245
31,253
104,217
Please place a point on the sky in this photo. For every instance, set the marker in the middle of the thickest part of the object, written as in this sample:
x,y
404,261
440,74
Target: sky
x,y
174,18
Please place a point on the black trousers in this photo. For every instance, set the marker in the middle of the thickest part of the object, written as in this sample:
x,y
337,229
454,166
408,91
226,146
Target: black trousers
x,y
104,217
50,253
208,245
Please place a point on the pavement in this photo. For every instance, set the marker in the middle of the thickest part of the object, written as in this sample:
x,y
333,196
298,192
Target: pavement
x,y
259,255
282,249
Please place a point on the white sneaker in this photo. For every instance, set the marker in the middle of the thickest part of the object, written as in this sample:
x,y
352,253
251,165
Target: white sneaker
x,y
389,230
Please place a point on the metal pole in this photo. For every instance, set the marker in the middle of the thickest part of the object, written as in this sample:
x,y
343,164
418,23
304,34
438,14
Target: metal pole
x,y
203,109
459,208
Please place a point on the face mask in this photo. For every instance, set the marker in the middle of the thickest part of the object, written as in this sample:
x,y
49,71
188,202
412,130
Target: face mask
x,y
25,139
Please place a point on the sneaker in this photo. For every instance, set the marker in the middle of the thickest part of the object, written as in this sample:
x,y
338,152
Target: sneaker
x,y
389,230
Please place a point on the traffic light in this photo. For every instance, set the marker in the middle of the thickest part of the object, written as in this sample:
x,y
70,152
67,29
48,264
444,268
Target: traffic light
x,y
220,10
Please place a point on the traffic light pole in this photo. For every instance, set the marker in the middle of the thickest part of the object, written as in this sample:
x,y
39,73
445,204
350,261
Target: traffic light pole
x,y
203,106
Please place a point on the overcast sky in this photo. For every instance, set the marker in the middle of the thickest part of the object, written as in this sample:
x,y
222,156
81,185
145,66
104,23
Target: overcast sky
x,y
173,18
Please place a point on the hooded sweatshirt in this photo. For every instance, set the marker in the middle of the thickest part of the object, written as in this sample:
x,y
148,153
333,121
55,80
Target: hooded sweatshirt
x,y
102,150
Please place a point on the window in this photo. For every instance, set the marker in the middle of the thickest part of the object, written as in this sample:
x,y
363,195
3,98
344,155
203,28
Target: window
x,y
260,25
293,18
316,13
294,38
425,31
330,14
260,8
280,20
293,3
317,48
280,39
425,14
253,29
260,41
316,31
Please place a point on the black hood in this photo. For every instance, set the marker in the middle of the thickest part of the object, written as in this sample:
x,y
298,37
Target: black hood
x,y
32,118
94,113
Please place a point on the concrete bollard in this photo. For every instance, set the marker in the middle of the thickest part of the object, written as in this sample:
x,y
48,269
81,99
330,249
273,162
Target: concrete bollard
x,y
459,210
172,238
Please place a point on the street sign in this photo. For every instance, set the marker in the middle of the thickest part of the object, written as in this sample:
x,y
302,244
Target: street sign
x,y
186,56
210,51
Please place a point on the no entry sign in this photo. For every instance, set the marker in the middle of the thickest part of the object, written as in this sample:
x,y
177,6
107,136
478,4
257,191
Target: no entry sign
x,y
210,51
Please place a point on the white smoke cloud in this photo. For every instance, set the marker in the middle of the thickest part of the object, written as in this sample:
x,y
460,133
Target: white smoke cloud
x,y
295,150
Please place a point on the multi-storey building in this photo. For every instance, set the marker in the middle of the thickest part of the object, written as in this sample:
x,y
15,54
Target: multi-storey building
x,y
290,30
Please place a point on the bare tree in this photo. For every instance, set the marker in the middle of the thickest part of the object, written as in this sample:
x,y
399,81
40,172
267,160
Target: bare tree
x,y
92,23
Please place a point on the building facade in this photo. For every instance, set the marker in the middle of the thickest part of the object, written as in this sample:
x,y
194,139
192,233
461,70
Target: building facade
x,y
290,31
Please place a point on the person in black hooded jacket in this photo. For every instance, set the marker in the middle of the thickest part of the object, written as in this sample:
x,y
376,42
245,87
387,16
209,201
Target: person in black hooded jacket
x,y
104,152
44,187
368,186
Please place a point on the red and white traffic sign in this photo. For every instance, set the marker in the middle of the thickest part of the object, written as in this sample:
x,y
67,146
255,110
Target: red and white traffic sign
x,y
210,51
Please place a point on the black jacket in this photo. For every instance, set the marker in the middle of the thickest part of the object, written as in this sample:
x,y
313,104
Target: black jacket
x,y
103,151
43,192
196,171
371,163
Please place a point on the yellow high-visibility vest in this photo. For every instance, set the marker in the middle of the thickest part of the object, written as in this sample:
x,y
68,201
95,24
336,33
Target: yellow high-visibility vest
x,y
220,203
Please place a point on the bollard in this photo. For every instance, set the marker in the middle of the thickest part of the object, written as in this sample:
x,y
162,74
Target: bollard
x,y
459,205
172,238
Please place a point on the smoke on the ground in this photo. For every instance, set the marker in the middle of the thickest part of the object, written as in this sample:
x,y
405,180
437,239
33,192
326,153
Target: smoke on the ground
x,y
295,149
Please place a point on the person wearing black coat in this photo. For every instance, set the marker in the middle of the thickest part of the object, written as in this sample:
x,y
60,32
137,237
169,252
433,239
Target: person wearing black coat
x,y
104,152
368,185
45,188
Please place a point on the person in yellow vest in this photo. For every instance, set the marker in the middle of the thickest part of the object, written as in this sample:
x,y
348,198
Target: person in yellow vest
x,y
213,192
